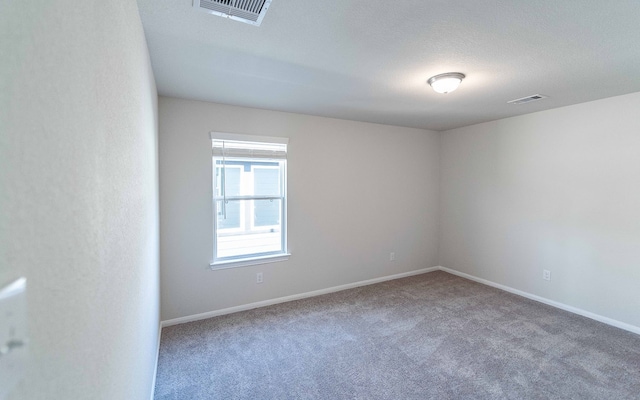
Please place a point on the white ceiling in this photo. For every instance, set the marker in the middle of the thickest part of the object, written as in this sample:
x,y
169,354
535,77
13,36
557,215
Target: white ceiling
x,y
370,60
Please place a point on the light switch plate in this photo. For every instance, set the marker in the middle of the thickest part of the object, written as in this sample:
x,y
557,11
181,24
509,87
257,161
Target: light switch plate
x,y
13,335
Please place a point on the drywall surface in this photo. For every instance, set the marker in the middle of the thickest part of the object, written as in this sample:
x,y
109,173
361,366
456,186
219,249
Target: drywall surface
x,y
357,191
556,190
79,195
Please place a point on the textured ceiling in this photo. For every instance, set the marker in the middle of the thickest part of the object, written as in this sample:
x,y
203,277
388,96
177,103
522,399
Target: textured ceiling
x,y
369,60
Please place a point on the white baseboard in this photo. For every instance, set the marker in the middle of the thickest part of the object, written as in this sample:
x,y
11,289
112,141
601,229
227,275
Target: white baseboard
x,y
562,306
244,307
155,369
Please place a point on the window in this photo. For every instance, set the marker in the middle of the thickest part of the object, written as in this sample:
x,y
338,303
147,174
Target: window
x,y
249,199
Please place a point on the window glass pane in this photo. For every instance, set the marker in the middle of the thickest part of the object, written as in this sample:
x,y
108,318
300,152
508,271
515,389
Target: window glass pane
x,y
232,179
266,213
250,239
233,218
249,177
266,180
230,216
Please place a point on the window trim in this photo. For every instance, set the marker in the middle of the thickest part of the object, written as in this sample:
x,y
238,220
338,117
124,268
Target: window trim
x,y
246,262
247,138
253,259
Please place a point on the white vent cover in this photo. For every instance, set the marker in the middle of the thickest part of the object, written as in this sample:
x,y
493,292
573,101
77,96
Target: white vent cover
x,y
528,99
248,11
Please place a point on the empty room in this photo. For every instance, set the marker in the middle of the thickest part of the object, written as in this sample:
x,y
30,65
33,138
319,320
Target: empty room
x,y
279,199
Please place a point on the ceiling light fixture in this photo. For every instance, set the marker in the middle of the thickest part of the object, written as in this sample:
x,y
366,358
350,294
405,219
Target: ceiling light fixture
x,y
446,83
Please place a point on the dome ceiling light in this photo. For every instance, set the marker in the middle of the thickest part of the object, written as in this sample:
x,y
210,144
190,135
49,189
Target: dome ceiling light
x,y
446,83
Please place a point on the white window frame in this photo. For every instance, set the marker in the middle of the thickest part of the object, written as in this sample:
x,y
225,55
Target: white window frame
x,y
252,259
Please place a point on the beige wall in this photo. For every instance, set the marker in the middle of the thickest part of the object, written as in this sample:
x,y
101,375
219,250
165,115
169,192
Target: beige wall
x,y
357,191
78,195
556,190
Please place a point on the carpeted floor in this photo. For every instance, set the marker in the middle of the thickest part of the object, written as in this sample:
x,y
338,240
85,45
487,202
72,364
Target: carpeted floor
x,y
432,336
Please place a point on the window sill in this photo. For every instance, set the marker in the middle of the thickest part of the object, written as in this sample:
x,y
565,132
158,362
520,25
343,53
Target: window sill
x,y
245,262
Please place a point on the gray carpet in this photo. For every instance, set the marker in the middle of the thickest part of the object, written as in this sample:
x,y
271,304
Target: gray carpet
x,y
432,336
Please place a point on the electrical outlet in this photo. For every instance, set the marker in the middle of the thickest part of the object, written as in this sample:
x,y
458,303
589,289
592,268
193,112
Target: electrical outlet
x,y
259,277
392,256
546,274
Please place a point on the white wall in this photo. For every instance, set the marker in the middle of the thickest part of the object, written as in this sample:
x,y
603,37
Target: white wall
x,y
556,190
356,192
78,199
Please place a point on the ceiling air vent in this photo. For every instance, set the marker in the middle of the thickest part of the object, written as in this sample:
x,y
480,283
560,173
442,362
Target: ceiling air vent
x,y
528,99
248,11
